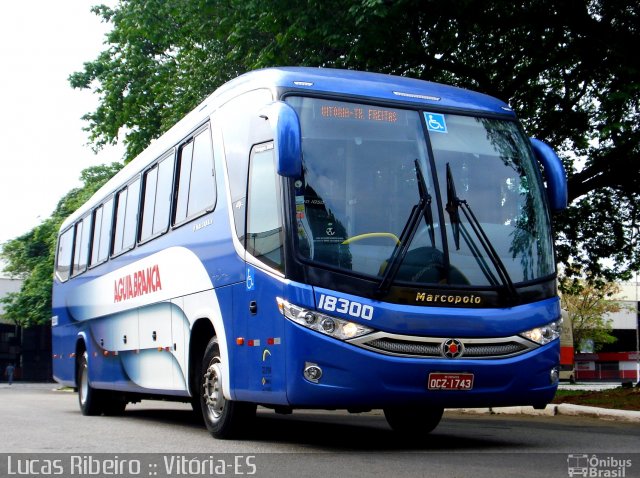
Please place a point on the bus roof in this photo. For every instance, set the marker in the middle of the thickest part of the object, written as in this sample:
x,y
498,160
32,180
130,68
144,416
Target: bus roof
x,y
360,84
344,83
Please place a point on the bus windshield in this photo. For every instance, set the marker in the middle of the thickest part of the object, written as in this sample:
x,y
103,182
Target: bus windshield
x,y
368,169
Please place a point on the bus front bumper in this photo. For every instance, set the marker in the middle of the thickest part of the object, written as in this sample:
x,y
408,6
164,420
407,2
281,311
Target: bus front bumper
x,y
353,377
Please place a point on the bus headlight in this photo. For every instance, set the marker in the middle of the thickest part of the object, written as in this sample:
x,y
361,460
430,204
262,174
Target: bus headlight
x,y
332,326
545,334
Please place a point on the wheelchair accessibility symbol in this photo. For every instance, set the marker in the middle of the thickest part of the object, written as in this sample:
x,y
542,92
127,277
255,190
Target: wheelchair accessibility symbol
x,y
435,122
251,285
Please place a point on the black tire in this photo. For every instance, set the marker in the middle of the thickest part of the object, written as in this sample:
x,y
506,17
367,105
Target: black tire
x,y
223,418
91,401
196,407
113,403
413,419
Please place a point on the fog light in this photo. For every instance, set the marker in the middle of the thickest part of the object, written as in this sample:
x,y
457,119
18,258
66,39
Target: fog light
x,y
312,372
554,375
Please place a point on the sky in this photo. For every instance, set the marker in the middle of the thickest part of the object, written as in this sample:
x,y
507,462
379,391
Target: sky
x,y
44,147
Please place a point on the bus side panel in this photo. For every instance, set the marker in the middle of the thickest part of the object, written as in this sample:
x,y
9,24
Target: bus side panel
x,y
130,320
63,359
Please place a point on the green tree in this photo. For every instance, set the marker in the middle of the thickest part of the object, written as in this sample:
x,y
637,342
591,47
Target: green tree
x,y
566,67
30,257
588,304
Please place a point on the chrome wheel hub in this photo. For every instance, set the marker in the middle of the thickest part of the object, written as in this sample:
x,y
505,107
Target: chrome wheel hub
x,y
213,396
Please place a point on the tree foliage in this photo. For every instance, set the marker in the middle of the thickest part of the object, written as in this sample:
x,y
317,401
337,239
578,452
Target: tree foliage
x,y
588,303
30,257
566,67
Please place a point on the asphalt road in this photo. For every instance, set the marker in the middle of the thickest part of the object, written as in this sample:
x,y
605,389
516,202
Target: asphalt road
x,y
39,419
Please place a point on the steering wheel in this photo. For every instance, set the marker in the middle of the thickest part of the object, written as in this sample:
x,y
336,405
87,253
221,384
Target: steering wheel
x,y
368,235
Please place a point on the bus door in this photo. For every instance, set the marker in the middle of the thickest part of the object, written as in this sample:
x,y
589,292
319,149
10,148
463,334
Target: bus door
x,y
263,280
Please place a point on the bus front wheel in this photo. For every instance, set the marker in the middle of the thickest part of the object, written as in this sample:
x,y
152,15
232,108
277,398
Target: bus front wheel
x,y
413,419
224,418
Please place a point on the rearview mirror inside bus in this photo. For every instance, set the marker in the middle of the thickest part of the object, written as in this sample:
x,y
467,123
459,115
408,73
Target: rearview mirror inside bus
x,y
286,127
554,174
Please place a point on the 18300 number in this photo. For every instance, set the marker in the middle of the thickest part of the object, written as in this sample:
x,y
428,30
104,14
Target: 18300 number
x,y
344,306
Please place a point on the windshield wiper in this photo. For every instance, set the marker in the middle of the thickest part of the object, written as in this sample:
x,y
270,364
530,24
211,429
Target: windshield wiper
x,y
452,208
454,205
422,209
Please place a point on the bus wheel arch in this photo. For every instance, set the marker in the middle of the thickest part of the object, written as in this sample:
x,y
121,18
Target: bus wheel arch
x,y
202,332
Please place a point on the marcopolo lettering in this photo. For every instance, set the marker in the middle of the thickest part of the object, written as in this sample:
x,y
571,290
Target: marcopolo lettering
x,y
452,299
142,282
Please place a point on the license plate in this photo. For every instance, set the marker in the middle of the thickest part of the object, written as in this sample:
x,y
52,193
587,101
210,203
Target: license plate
x,y
450,381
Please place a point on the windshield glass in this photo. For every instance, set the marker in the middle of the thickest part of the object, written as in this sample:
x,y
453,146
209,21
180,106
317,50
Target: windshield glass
x,y
360,188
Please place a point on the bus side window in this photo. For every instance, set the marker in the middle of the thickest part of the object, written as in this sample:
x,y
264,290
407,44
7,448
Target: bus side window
x,y
264,223
156,207
182,182
121,207
105,231
202,190
163,195
81,246
148,203
63,261
101,234
97,226
131,219
196,185
126,217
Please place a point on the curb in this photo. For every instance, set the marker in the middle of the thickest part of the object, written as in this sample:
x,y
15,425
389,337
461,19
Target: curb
x,y
558,409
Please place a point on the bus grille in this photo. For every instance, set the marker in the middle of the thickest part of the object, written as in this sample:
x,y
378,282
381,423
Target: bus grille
x,y
431,347
405,348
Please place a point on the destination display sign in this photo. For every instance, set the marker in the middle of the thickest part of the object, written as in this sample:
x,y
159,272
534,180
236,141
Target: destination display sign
x,y
346,111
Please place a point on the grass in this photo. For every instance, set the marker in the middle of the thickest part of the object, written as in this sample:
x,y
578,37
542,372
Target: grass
x,y
618,398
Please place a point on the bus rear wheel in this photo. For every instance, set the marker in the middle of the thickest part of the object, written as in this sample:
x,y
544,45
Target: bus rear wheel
x,y
413,419
91,401
224,418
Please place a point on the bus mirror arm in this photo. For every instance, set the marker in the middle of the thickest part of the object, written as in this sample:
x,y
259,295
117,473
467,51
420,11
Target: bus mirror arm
x,y
555,174
287,138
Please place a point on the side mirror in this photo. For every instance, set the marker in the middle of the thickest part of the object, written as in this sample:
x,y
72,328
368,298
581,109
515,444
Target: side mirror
x,y
554,173
287,138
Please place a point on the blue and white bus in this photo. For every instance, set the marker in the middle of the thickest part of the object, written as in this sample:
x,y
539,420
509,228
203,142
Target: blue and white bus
x,y
317,238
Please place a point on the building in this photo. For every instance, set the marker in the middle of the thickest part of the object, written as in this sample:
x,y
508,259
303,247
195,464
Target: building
x,y
29,349
620,360
9,332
